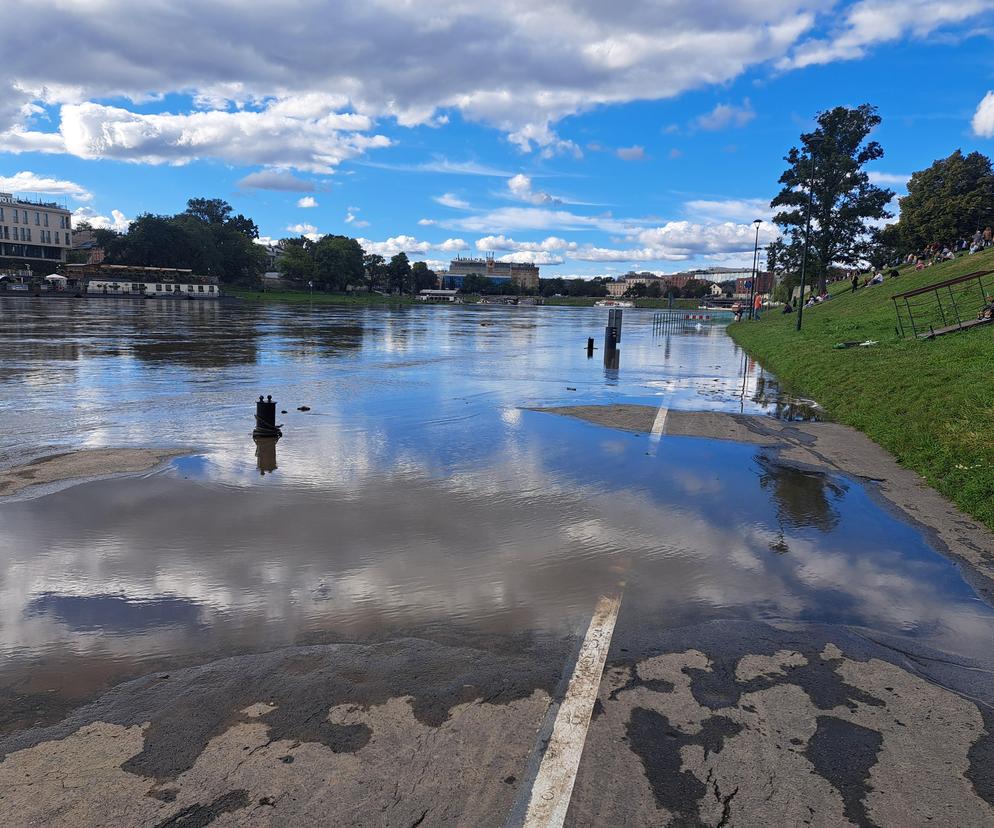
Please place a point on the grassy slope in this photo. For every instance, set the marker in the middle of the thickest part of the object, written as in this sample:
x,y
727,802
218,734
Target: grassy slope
x,y
930,403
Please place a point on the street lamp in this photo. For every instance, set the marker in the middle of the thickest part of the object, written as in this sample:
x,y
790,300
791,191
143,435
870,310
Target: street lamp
x,y
755,262
807,234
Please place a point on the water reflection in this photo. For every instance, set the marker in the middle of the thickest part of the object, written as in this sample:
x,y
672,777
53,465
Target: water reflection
x,y
418,492
802,498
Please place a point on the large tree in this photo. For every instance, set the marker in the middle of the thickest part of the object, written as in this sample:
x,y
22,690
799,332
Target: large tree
x,y
399,272
338,262
948,201
423,277
830,163
375,269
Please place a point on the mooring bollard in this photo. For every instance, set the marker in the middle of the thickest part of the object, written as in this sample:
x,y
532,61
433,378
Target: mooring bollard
x,y
265,419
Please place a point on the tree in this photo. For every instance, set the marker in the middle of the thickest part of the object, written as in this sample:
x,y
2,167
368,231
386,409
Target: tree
x,y
399,272
423,277
338,262
696,289
375,269
830,162
885,246
296,262
209,210
475,283
654,291
949,201
636,290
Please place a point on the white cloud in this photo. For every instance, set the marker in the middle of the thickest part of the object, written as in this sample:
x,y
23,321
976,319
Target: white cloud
x,y
983,118
353,219
547,245
870,22
507,219
680,240
724,116
307,202
537,258
286,133
427,222
410,245
276,180
117,220
29,182
889,179
520,186
635,153
307,230
453,201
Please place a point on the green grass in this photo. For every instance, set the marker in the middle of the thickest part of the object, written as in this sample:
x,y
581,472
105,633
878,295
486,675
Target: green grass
x,y
317,297
930,403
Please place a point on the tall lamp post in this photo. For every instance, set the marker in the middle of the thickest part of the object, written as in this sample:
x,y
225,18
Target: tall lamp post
x,y
807,235
755,262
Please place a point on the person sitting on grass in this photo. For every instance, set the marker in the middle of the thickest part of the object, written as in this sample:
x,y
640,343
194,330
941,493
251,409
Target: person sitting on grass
x,y
895,273
787,307
878,279
987,311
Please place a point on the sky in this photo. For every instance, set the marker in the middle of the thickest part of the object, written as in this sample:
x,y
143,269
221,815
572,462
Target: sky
x,y
589,137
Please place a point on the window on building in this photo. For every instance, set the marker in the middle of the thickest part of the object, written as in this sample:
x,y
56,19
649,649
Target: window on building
x,y
24,216
1,213
200,288
67,239
158,288
37,218
14,211
210,289
136,287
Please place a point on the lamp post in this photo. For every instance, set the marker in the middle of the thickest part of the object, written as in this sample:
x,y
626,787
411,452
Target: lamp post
x,y
807,234
755,261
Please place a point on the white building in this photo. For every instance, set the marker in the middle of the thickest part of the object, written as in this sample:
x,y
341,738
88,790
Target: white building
x,y
33,232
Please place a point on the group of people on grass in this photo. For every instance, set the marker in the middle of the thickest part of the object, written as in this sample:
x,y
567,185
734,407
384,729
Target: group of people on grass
x,y
937,252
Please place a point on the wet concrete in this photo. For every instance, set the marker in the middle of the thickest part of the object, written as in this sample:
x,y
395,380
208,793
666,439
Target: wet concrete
x,y
85,464
373,621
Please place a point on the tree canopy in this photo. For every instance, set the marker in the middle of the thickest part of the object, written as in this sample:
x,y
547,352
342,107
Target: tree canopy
x,y
948,201
830,163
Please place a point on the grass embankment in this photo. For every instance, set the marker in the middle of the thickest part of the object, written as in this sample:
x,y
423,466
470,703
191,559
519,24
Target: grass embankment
x,y
930,403
316,297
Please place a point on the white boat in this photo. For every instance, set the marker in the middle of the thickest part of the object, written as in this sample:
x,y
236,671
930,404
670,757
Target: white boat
x,y
613,303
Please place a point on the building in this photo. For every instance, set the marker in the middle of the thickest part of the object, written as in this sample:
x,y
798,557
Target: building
x,y
134,282
764,284
36,234
522,274
85,241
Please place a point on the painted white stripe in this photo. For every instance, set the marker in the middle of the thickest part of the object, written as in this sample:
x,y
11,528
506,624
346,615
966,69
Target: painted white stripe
x,y
550,795
659,423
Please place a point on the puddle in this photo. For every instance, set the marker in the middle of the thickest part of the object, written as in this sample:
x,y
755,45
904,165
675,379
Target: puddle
x,y
417,494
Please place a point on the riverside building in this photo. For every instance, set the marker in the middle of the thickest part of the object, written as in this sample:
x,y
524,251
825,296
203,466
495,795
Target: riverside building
x,y
34,235
524,275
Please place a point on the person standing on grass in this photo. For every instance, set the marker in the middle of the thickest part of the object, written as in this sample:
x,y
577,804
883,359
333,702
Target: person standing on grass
x,y
988,234
757,303
855,282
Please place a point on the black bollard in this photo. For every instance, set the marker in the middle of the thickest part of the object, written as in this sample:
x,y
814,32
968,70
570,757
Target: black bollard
x,y
590,347
265,419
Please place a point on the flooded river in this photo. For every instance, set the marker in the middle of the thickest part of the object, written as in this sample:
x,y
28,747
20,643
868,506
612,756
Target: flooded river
x,y
418,495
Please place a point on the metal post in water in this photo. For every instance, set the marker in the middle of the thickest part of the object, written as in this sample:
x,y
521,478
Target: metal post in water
x,y
590,347
265,418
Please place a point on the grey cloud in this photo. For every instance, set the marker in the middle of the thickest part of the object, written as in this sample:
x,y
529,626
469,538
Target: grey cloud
x,y
276,180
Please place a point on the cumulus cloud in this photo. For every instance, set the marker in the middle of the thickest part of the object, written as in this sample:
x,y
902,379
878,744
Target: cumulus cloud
x,y
409,245
307,202
266,90
303,229
547,245
507,219
537,258
117,221
889,179
725,116
29,182
453,201
635,153
520,187
286,133
278,180
983,118
680,240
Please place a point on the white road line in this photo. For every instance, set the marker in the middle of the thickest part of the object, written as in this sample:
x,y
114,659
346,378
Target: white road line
x,y
659,423
550,795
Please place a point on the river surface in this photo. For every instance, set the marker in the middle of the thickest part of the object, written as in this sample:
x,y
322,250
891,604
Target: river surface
x,y
419,495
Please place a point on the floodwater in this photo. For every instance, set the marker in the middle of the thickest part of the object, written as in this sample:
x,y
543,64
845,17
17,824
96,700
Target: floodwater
x,y
419,495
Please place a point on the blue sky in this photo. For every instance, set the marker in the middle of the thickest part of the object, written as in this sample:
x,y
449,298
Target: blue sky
x,y
587,138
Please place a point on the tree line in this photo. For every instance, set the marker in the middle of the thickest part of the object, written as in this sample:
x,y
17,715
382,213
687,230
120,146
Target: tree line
x,y
831,215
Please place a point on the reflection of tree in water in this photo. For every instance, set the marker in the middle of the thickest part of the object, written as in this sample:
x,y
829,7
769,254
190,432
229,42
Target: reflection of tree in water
x,y
785,407
802,498
304,338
